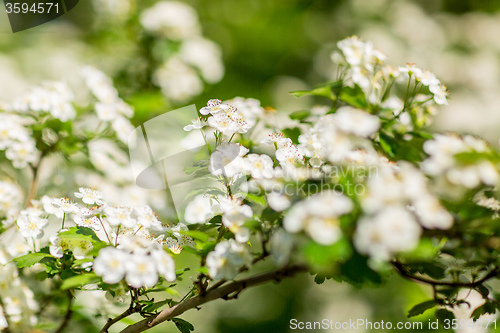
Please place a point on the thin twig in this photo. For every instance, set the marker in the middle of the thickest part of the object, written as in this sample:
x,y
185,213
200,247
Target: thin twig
x,y
212,294
67,316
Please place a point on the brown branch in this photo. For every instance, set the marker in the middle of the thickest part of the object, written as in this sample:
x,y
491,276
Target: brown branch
x,y
67,316
224,291
401,270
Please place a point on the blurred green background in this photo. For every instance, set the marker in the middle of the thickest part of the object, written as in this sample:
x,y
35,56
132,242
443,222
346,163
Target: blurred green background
x,y
270,47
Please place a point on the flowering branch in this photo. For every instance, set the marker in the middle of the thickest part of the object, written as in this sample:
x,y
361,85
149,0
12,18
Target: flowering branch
x,y
212,294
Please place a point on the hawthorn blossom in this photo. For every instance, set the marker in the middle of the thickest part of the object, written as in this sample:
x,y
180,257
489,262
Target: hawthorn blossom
x,y
31,225
120,216
228,257
234,215
172,19
89,196
164,265
392,230
319,216
110,264
227,160
140,271
355,121
259,166
199,210
65,205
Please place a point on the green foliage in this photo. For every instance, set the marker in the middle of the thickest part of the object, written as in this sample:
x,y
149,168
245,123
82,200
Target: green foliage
x,y
182,325
30,259
422,307
80,280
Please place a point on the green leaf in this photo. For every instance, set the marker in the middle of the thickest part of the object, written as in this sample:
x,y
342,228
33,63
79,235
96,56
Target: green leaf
x,y
78,234
319,279
422,307
182,325
388,144
487,308
259,200
299,115
293,134
443,314
78,280
195,234
30,259
155,306
354,97
321,257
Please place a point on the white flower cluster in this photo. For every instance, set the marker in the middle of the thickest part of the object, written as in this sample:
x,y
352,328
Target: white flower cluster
x,y
52,97
442,161
226,260
180,76
11,197
18,300
110,108
398,203
363,65
16,140
319,216
137,260
238,115
337,137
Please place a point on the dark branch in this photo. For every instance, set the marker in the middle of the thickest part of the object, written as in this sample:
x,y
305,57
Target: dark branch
x,y
224,291
67,316
404,273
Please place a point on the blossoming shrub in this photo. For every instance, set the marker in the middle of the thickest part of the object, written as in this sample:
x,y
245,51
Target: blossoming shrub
x,y
354,190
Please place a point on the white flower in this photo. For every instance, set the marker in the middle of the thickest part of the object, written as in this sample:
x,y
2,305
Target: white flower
x,y
22,153
31,226
164,265
172,19
319,216
178,81
234,215
50,207
179,232
65,205
390,231
205,55
81,248
120,216
228,257
278,202
431,214
89,196
147,218
249,108
227,160
92,222
279,139
290,156
110,264
195,124
355,121
58,245
440,93
259,166
199,210
141,271
215,106
427,78
123,128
